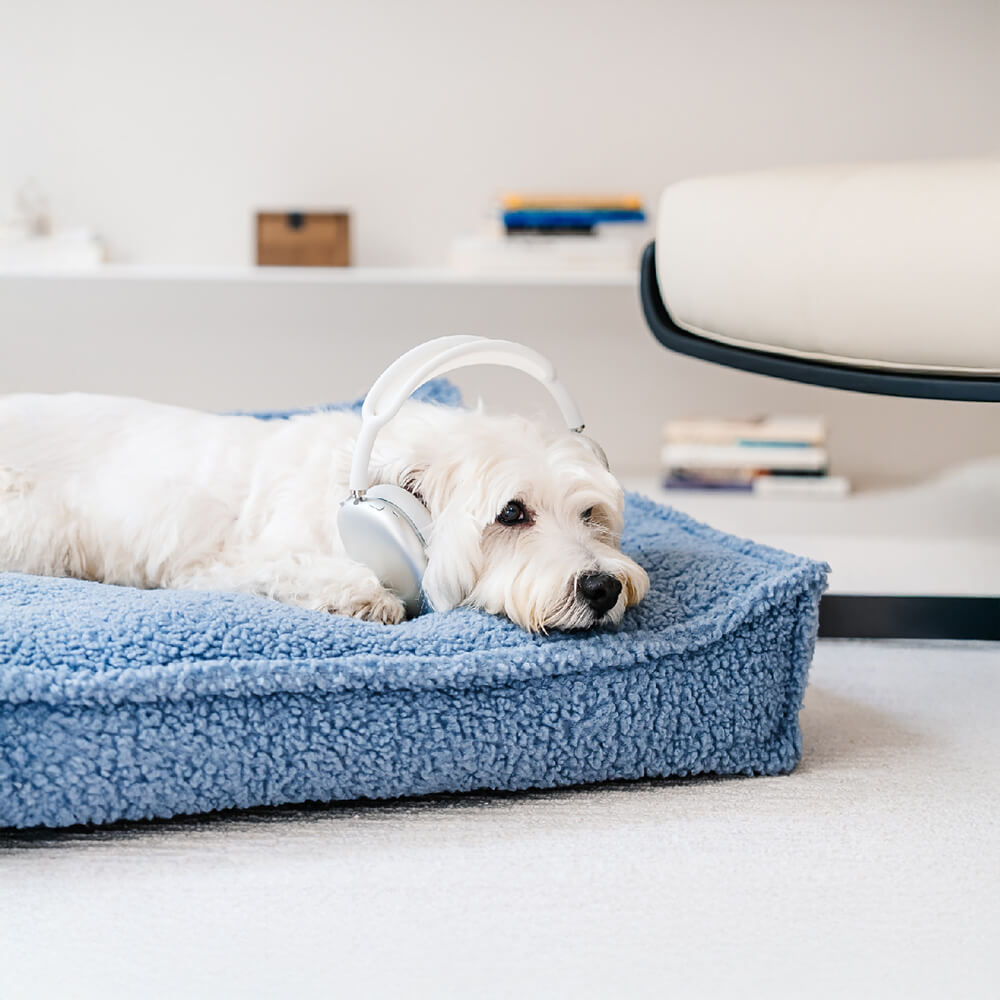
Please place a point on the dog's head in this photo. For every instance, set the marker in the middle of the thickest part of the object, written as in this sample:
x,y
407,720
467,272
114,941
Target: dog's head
x,y
527,523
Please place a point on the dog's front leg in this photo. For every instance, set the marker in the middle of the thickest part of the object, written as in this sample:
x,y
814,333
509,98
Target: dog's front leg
x,y
334,584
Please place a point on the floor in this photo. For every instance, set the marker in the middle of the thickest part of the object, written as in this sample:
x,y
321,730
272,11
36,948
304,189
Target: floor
x,y
873,870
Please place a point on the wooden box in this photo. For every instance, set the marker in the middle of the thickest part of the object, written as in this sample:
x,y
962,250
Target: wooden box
x,y
303,239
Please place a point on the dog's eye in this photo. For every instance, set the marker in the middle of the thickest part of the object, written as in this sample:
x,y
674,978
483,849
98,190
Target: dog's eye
x,y
513,513
587,514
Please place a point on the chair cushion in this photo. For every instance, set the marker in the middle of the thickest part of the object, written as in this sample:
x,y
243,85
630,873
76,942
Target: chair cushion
x,y
884,266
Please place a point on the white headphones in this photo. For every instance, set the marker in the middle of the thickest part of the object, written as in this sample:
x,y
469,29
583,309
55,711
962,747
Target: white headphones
x,y
384,526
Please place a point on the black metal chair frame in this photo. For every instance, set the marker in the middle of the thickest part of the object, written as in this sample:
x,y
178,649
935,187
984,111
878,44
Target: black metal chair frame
x,y
849,615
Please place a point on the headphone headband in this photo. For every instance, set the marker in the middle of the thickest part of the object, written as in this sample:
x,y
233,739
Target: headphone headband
x,y
435,358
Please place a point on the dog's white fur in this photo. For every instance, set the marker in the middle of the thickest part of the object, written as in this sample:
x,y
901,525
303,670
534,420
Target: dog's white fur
x,y
146,495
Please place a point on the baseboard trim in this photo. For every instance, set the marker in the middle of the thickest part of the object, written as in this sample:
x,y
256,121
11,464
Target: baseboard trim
x,y
871,616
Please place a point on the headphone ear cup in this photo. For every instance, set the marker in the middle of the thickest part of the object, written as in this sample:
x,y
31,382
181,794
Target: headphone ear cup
x,y
387,532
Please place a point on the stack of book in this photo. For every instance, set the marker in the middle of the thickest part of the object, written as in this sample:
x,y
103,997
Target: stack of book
x,y
772,456
535,232
567,215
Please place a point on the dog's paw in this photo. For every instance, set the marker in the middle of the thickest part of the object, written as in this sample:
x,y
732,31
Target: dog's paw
x,y
383,607
370,604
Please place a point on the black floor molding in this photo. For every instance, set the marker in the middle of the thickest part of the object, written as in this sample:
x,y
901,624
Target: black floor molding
x,y
863,616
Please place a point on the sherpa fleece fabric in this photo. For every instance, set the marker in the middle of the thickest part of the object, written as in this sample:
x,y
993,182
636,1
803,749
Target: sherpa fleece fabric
x,y
126,704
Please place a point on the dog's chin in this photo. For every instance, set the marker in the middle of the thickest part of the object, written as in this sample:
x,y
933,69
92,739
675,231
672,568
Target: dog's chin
x,y
586,619
570,616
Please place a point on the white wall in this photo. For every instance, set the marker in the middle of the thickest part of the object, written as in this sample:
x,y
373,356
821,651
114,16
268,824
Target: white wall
x,y
165,125
289,339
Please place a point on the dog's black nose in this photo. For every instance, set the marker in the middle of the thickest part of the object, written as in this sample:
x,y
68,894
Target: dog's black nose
x,y
600,591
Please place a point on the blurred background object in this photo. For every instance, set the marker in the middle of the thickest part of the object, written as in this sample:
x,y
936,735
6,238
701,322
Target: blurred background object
x,y
28,240
768,456
579,233
303,239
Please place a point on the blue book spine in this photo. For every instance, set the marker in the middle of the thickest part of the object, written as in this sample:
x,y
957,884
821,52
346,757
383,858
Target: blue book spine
x,y
567,218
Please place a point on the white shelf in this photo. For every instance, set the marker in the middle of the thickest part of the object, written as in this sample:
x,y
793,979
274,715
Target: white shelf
x,y
326,276
939,538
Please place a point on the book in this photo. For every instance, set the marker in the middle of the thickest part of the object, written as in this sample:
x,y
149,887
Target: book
x,y
550,231
822,487
515,201
678,481
767,430
565,218
70,249
757,455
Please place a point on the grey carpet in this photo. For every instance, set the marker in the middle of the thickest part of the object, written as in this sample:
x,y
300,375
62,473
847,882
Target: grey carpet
x,y
873,870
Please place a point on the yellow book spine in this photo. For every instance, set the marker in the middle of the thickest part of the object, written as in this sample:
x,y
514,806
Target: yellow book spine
x,y
513,201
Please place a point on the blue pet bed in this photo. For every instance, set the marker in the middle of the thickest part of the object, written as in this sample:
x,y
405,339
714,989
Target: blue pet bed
x,y
125,704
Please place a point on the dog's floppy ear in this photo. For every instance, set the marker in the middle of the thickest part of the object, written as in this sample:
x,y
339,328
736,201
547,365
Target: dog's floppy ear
x,y
454,558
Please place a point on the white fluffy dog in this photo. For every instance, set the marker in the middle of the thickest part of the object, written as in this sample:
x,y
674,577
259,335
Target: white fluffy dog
x,y
526,521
